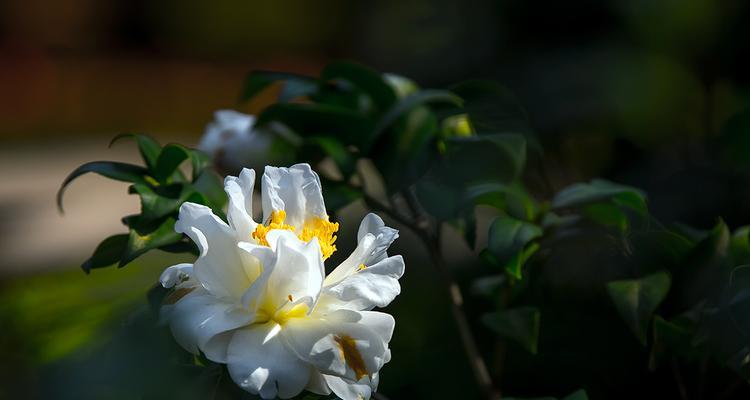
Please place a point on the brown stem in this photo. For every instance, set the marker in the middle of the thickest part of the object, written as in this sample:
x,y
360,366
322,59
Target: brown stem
x,y
432,242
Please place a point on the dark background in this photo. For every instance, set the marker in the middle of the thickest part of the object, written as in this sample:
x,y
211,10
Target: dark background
x,y
640,92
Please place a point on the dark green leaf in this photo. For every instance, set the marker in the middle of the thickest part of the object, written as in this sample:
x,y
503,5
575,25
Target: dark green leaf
x,y
162,200
492,107
507,236
411,102
257,81
147,146
364,78
110,169
513,199
346,126
494,158
437,198
580,194
519,324
210,185
141,242
170,158
107,253
338,194
637,299
514,266
343,158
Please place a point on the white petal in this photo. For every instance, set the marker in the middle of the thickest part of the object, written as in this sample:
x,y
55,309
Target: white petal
x,y
373,238
240,208
323,343
347,389
297,270
317,383
219,268
296,190
198,317
227,125
175,275
374,286
259,362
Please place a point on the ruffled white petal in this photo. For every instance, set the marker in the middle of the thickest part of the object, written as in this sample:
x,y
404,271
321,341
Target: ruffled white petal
x,y
347,389
259,362
373,238
373,286
296,190
239,189
323,343
197,318
219,268
297,270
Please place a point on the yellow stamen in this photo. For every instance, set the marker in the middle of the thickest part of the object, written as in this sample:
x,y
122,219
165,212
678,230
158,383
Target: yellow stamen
x,y
267,312
325,231
361,267
320,228
351,355
277,222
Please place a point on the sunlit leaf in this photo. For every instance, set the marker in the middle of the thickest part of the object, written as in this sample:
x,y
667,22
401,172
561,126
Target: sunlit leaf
x,y
110,169
107,253
141,242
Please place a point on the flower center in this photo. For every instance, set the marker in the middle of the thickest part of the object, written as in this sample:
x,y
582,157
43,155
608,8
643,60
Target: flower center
x,y
316,227
267,312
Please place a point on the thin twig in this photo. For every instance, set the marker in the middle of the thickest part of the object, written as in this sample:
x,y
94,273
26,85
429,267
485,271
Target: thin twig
x,y
432,242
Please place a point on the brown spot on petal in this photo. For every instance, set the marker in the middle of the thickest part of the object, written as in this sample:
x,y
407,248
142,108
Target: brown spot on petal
x,y
351,355
176,295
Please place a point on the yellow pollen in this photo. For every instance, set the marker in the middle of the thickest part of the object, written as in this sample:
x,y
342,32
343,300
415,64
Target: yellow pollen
x,y
320,228
351,355
361,267
268,313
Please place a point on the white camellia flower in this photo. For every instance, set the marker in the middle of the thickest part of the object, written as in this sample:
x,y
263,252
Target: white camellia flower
x,y
232,142
258,300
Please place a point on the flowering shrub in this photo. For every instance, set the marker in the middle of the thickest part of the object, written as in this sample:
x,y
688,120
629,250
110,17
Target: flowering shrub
x,y
653,297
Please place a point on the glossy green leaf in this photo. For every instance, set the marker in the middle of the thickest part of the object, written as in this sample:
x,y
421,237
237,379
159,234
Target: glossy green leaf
x,y
438,198
511,198
507,236
597,190
110,169
170,158
637,299
367,80
147,146
141,242
514,266
211,186
519,324
343,158
409,103
162,200
107,253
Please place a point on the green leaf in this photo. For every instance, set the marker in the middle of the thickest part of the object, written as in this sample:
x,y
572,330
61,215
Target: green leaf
x,y
107,253
513,199
637,299
409,103
489,158
257,81
147,146
210,185
492,107
110,169
348,127
514,266
519,324
437,198
364,78
580,194
170,158
338,194
675,336
507,236
141,242
162,200
343,158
